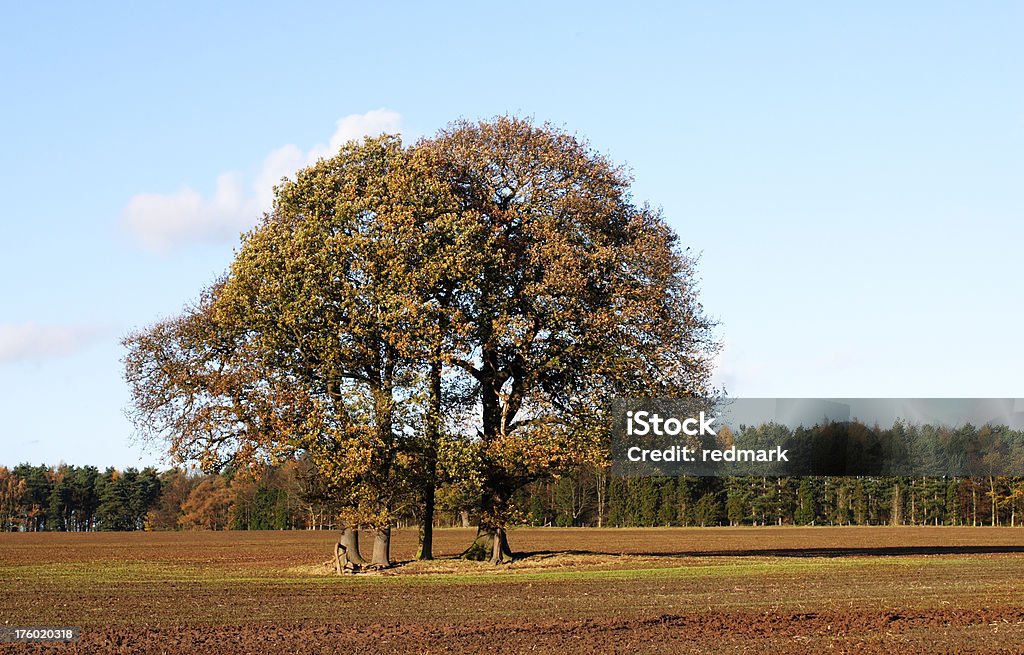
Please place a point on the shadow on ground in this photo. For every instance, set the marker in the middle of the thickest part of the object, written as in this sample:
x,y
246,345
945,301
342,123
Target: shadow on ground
x,y
876,551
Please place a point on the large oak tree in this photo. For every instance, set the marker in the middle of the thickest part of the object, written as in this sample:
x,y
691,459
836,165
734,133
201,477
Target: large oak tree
x,y
479,296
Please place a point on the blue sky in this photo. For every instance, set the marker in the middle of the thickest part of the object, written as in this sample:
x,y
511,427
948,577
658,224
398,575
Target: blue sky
x,y
853,174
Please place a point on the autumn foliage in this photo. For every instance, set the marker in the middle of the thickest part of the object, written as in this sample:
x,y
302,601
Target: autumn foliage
x,y
457,313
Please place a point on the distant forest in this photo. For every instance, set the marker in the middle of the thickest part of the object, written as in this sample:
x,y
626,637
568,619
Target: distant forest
x,y
291,497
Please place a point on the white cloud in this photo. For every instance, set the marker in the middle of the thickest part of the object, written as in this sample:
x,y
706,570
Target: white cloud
x,y
162,222
31,342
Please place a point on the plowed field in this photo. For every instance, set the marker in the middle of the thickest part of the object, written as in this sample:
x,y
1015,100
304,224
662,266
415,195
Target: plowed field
x,y
721,590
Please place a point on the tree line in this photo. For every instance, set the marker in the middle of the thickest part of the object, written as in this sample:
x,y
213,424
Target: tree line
x,y
76,499
292,497
84,499
690,501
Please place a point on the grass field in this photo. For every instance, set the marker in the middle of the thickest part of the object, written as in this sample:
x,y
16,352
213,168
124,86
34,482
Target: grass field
x,y
743,590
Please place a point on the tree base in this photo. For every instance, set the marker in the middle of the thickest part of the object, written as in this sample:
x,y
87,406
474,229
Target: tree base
x,y
426,548
490,545
350,540
342,562
381,549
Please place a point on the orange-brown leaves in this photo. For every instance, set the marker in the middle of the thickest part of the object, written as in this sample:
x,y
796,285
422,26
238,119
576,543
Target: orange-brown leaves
x,y
506,257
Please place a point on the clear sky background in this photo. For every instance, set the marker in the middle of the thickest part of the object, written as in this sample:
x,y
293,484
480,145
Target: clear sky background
x,y
852,173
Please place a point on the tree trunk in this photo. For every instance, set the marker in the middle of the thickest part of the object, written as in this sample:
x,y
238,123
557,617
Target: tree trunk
x,y
897,505
974,504
490,545
342,562
350,540
464,515
382,547
426,550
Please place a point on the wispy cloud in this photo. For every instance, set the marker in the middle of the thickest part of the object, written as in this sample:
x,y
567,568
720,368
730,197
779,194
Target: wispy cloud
x,y
163,222
31,342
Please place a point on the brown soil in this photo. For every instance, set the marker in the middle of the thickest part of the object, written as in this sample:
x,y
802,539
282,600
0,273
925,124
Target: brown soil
x,y
765,590
977,631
